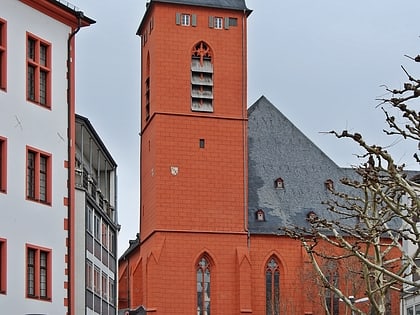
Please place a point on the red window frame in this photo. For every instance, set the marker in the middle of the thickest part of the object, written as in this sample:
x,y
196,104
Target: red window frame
x,y
38,273
3,55
38,175
3,165
3,266
38,71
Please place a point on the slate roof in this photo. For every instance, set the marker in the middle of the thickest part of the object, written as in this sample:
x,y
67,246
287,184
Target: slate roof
x,y
278,149
224,4
238,5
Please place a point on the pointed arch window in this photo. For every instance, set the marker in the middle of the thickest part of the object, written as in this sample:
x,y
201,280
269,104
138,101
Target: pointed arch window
x,y
332,299
272,287
201,78
203,286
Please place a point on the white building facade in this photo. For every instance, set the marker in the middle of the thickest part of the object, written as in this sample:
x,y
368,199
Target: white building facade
x,y
37,211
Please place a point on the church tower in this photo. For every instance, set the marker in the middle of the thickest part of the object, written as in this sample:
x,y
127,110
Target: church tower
x,y
193,256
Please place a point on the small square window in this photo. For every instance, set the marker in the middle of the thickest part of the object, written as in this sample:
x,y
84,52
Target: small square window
x,y
202,143
233,21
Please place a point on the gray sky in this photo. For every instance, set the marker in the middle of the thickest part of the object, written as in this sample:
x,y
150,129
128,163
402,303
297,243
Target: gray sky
x,y
322,63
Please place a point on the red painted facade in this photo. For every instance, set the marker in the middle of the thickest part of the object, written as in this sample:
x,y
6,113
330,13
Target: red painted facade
x,y
194,197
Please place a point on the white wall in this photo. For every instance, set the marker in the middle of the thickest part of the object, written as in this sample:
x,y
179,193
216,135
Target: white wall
x,y
24,123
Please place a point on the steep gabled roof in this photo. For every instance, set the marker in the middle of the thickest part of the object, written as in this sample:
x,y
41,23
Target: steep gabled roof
x,y
279,150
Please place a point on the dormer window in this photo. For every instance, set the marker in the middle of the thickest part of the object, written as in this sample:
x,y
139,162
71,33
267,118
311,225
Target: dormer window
x,y
329,184
311,216
260,215
279,183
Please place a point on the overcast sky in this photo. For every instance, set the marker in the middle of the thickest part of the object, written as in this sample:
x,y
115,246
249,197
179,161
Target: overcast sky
x,y
321,63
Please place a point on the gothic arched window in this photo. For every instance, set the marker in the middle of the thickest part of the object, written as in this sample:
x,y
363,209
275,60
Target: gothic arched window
x,y
203,286
201,78
272,287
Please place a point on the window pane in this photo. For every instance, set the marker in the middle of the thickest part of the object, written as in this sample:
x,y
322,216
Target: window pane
x,y
31,49
43,55
43,87
43,178
30,180
43,278
30,274
31,83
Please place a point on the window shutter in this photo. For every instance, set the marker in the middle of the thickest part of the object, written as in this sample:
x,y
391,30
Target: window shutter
x,y
178,18
211,21
226,23
193,19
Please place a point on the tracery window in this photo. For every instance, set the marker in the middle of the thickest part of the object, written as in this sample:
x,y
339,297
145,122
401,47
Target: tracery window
x,y
272,287
201,78
203,287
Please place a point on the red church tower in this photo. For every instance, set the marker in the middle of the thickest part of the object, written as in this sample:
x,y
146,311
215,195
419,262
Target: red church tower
x,y
219,181
193,216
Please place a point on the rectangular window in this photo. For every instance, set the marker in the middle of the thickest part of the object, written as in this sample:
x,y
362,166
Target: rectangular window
x,y
185,19
97,224
3,165
104,286
89,215
38,273
104,234
38,71
3,54
233,21
3,266
111,291
38,176
416,275
89,274
218,23
111,242
96,280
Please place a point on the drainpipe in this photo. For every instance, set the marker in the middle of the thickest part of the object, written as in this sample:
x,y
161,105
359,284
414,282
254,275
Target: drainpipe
x,y
70,167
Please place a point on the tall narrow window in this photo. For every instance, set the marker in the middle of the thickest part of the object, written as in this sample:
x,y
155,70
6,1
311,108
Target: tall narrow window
x,y
3,266
147,89
104,286
272,287
89,274
3,164
201,78
332,299
38,71
96,280
38,176
3,47
38,273
111,291
203,287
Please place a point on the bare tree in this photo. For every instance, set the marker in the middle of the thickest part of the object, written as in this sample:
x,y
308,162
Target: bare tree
x,y
378,211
